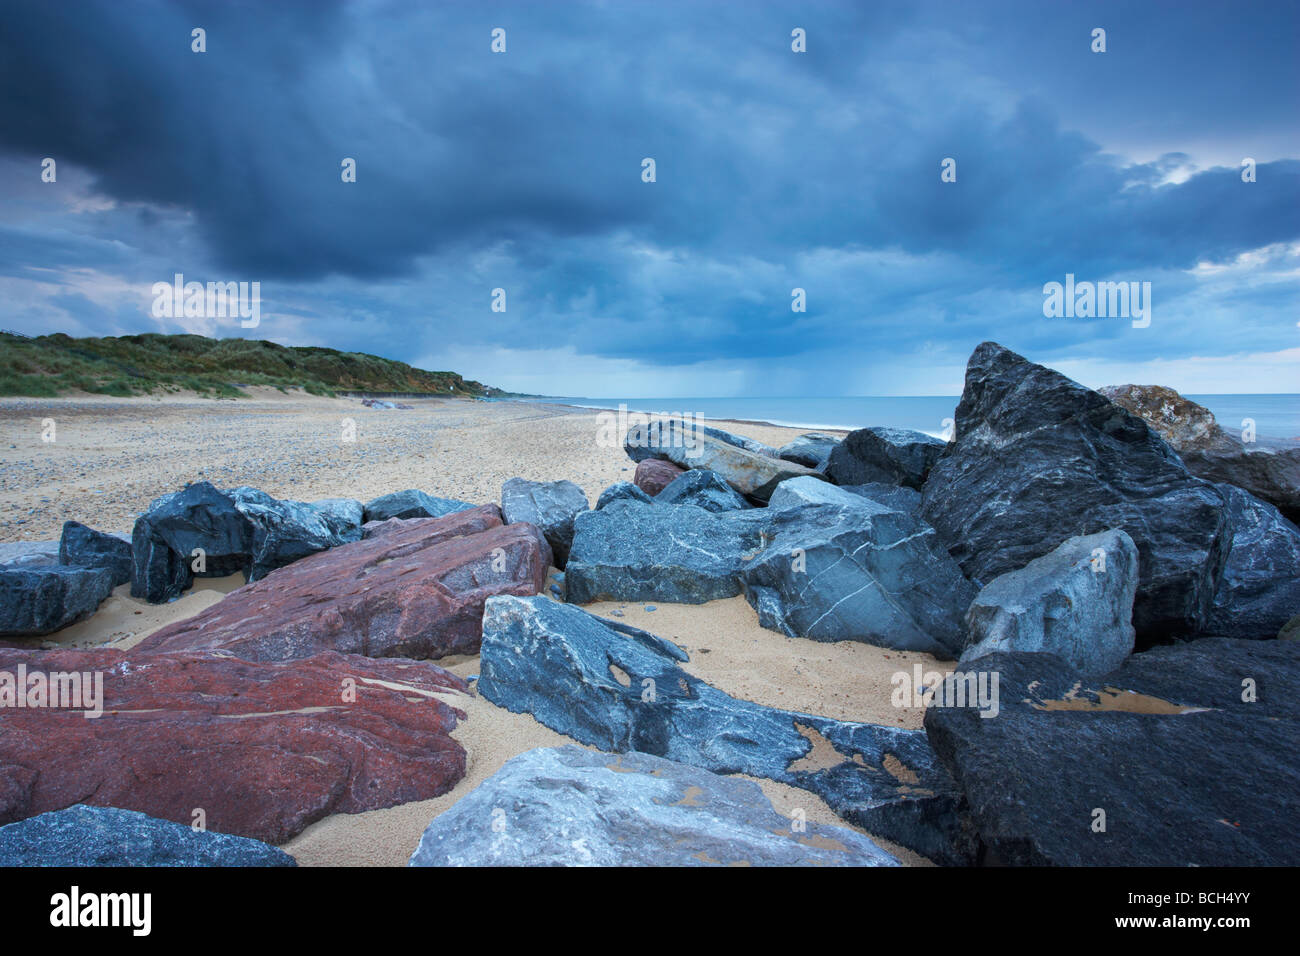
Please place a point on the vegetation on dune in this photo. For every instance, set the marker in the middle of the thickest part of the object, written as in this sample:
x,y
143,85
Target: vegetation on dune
x,y
49,365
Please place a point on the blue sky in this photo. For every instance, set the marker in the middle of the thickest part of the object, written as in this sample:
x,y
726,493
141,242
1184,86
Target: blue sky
x,y
775,170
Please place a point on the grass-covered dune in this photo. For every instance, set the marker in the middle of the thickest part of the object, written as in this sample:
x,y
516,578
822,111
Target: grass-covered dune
x,y
49,365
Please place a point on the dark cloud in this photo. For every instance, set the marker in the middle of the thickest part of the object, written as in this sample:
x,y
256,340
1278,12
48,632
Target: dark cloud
x,y
775,170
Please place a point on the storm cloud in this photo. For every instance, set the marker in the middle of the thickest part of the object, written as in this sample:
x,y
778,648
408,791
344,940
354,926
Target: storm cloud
x,y
775,170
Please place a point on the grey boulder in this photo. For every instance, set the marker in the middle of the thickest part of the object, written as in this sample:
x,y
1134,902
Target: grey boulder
x,y
84,547
634,551
240,530
611,690
175,526
845,568
83,835
752,473
1075,602
810,491
411,503
620,491
1039,458
1260,589
550,506
1184,756
567,806
894,456
811,450
702,488
643,439
40,599
284,531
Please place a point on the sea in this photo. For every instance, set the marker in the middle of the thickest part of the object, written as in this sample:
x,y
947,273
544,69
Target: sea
x,y
1276,417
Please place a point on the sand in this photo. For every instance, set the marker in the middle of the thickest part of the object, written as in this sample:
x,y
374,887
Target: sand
x,y
111,457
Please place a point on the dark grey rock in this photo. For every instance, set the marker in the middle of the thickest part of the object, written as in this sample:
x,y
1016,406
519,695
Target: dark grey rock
x,y
240,530
702,488
1038,458
550,506
411,503
845,568
84,547
284,531
1075,602
620,491
1269,473
83,835
40,599
577,675
1188,749
811,450
632,551
167,534
751,473
642,439
809,491
567,806
346,514
897,497
893,456
1260,588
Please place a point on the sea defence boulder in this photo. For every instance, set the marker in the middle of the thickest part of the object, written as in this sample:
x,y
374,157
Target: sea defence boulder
x,y
752,473
808,491
643,437
285,531
653,476
811,450
1260,588
567,806
893,456
40,599
1038,458
837,566
84,547
412,503
415,591
703,488
635,551
104,836
550,506
1184,756
620,693
1268,471
622,490
198,527
204,532
262,749
1075,602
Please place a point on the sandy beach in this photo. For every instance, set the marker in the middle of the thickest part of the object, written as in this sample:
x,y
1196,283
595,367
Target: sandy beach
x,y
110,457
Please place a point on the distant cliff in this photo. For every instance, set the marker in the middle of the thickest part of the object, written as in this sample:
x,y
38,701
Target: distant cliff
x,y
49,365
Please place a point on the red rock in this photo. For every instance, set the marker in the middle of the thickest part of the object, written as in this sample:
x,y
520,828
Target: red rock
x,y
263,749
415,590
653,476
